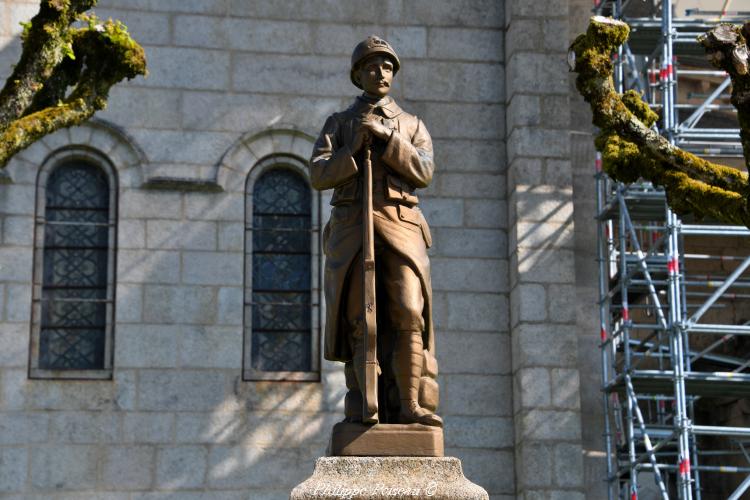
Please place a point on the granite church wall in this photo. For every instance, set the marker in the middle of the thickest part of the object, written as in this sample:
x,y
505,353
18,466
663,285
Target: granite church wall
x,y
176,420
542,228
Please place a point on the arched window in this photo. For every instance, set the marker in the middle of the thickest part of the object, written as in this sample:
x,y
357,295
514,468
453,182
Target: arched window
x,y
281,297
73,299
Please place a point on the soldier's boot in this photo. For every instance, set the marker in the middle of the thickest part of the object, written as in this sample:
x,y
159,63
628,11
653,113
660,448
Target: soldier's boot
x,y
407,368
353,399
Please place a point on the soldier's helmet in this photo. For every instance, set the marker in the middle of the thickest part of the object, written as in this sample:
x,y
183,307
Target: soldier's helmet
x,y
370,46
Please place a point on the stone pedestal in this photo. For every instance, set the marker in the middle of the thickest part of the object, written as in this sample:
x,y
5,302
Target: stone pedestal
x,y
380,478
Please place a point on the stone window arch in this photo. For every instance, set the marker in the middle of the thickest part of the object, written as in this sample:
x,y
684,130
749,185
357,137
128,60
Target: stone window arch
x,y
282,282
73,297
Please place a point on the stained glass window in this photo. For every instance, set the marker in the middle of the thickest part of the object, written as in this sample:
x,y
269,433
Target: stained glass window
x,y
74,307
280,306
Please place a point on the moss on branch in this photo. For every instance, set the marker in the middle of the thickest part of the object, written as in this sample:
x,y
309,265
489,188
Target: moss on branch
x,y
65,72
632,150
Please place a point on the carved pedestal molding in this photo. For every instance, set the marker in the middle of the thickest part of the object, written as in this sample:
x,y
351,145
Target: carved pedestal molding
x,y
375,478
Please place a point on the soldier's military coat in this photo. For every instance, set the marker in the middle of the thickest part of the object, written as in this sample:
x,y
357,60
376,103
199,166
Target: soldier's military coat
x,y
400,165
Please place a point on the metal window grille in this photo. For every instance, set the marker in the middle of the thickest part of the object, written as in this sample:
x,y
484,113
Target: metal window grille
x,y
279,333
74,262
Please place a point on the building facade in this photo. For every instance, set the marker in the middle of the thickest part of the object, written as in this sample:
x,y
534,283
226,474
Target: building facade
x,y
160,295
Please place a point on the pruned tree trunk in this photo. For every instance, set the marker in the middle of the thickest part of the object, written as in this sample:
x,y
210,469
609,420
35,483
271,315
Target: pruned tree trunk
x,y
632,150
64,74
726,46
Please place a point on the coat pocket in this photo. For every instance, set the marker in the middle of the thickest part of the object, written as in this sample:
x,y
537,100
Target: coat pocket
x,y
414,216
399,191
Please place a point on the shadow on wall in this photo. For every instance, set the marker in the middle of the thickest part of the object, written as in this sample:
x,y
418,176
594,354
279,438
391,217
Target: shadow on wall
x,y
176,415
177,421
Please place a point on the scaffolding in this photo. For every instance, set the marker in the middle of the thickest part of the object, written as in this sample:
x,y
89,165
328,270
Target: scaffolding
x,y
673,342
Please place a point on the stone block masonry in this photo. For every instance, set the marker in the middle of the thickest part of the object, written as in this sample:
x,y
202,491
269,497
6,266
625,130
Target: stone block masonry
x,y
176,420
546,403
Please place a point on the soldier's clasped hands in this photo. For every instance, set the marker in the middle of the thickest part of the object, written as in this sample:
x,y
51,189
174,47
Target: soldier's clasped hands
x,y
372,127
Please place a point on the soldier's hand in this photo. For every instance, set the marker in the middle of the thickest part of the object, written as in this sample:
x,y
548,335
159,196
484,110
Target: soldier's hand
x,y
359,140
376,128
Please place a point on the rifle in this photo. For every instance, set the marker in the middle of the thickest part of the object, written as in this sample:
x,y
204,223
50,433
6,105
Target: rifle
x,y
371,368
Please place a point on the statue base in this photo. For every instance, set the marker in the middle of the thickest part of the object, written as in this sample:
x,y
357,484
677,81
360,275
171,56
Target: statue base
x,y
381,478
386,440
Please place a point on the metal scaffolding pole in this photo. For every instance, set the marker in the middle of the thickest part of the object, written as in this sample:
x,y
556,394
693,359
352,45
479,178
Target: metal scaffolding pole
x,y
602,250
631,402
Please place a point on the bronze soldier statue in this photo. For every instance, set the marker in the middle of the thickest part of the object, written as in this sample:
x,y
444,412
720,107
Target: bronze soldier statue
x,y
375,140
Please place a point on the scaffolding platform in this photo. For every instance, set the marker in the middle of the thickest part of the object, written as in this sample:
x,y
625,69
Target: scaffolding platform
x,y
715,384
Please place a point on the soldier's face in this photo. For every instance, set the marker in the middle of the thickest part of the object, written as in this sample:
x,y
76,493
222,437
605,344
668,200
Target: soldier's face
x,y
375,75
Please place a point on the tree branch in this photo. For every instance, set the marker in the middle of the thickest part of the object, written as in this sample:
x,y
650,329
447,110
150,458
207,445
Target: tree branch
x,y
45,43
90,59
104,55
631,149
726,47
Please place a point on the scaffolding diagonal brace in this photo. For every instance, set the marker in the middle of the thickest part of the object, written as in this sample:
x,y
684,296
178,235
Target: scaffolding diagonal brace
x,y
642,264
737,494
646,440
692,120
720,291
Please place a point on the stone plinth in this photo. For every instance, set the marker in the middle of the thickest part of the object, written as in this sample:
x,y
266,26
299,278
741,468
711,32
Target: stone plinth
x,y
376,478
380,440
